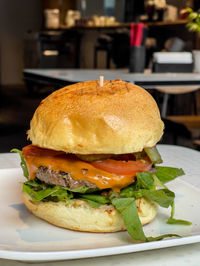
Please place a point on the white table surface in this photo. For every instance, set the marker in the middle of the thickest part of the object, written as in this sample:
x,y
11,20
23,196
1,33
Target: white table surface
x,y
77,75
179,256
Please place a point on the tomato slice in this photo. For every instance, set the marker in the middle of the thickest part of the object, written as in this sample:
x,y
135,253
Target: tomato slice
x,y
123,167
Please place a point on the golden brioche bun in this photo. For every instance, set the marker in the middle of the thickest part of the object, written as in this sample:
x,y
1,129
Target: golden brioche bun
x,y
85,118
80,216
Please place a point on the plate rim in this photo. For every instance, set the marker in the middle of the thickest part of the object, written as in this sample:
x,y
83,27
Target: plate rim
x,y
96,252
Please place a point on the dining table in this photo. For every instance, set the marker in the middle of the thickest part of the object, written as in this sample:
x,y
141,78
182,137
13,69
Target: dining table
x,y
37,79
26,239
58,78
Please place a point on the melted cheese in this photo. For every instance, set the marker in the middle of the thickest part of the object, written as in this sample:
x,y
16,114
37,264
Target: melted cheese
x,y
79,170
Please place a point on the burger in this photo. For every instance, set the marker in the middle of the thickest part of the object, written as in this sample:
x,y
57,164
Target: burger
x,y
92,164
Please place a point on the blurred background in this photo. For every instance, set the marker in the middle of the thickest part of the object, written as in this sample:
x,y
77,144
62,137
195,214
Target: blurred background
x,y
101,34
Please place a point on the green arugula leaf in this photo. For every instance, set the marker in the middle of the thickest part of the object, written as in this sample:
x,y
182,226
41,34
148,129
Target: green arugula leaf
x,y
23,163
166,174
37,184
128,192
157,182
157,238
38,195
113,195
163,197
172,220
178,221
33,183
97,198
82,190
61,194
92,203
42,194
128,210
145,180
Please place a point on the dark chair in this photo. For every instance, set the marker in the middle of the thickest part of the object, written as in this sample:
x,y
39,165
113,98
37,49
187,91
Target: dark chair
x,y
174,91
104,43
186,126
59,49
116,46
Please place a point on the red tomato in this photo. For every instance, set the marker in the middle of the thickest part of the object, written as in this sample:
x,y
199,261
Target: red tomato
x,y
123,167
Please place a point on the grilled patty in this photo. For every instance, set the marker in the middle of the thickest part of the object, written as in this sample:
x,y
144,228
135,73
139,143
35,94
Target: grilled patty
x,y
60,178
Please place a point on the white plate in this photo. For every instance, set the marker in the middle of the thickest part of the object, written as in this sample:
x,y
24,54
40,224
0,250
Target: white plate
x,y
26,237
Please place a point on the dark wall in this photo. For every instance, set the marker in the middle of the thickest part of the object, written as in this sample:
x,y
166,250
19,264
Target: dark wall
x,y
178,3
16,18
169,31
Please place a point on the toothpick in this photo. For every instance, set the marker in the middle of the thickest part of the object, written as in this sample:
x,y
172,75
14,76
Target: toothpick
x,y
101,81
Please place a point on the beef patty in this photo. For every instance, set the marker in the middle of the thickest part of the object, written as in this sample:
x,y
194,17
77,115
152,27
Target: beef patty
x,y
60,178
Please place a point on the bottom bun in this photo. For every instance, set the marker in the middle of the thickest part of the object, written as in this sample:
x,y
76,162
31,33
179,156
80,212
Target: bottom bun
x,y
79,215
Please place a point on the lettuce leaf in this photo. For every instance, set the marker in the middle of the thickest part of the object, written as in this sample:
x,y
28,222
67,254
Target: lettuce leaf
x,y
127,192
38,195
82,190
172,220
97,198
92,203
145,180
57,192
166,174
23,163
163,197
128,210
161,237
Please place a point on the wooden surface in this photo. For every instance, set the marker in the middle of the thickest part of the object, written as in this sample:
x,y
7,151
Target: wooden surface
x,y
187,126
191,122
178,89
196,144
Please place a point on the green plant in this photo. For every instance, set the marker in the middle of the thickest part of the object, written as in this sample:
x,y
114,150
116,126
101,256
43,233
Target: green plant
x,y
193,18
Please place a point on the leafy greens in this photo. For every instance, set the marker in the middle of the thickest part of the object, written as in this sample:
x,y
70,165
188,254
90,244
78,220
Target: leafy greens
x,y
148,185
23,163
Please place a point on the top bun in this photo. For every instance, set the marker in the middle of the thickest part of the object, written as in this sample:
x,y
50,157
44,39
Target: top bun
x,y
84,118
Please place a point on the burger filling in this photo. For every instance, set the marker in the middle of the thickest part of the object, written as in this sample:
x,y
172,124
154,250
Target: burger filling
x,y
68,170
118,180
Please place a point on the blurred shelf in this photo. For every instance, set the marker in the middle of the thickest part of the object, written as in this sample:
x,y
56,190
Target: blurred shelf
x,y
167,23
123,25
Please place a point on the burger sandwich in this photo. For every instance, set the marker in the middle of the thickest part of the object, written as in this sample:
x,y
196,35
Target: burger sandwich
x,y
92,164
